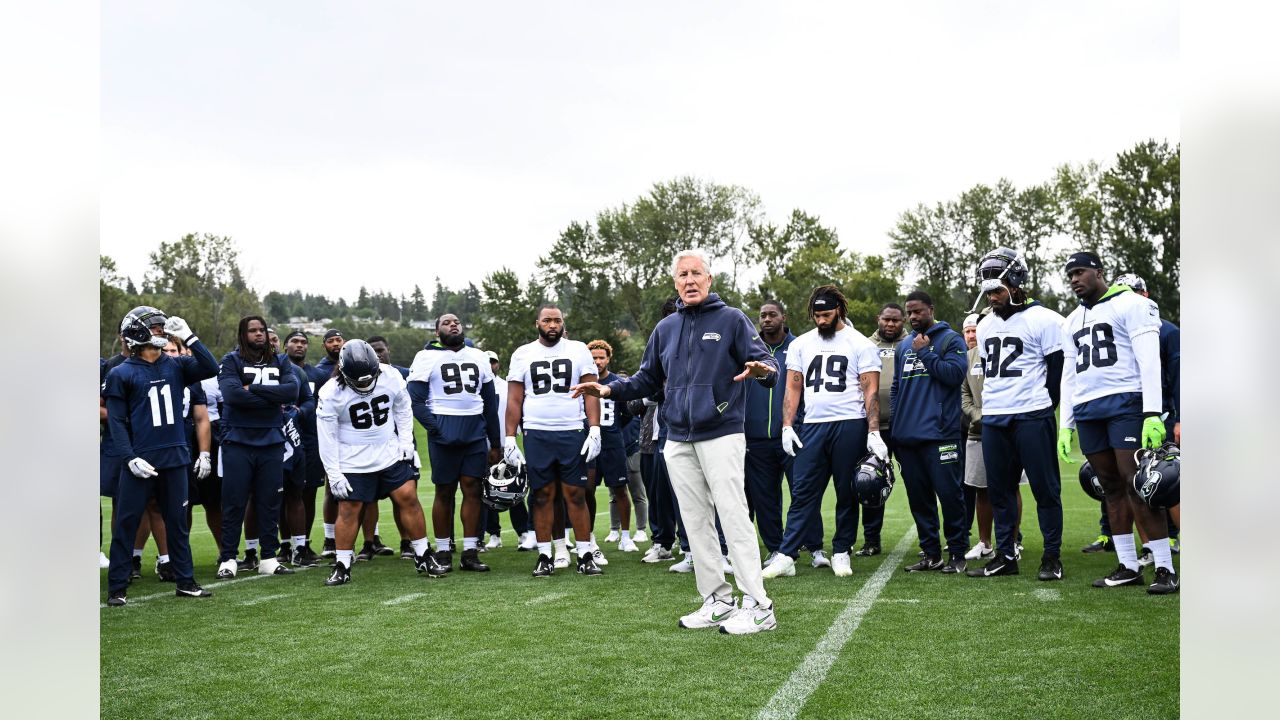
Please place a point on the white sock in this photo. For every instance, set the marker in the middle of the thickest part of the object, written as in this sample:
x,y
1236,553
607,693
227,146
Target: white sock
x,y
420,546
470,543
1163,556
375,529
137,552
442,544
584,548
544,548
626,535
299,540
1125,551
250,544
344,557
165,558
329,531
566,537
562,546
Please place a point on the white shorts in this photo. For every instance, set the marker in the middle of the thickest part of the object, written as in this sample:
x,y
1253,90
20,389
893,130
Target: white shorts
x,y
975,468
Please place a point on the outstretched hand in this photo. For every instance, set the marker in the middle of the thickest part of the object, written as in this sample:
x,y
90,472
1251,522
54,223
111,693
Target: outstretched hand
x,y
593,389
753,369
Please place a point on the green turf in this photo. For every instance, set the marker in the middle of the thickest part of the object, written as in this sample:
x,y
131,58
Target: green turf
x,y
503,645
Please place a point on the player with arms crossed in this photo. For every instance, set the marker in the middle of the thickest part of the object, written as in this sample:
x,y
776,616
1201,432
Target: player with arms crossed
x,y
365,428
452,389
539,400
1111,395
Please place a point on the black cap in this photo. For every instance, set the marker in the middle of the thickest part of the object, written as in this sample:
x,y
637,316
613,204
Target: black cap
x,y
1083,259
333,332
295,333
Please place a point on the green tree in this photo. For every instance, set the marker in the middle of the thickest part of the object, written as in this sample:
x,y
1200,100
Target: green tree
x,y
506,319
198,277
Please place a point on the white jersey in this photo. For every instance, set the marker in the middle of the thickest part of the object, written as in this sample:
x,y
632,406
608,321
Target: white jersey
x,y
455,379
364,433
214,394
1013,353
830,369
1104,353
547,374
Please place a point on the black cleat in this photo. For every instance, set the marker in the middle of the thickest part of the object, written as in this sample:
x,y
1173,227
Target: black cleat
x,y
192,589
330,548
927,564
380,549
471,561
300,558
135,572
164,571
341,575
406,550
587,565
868,550
999,565
367,552
1102,544
427,563
1050,568
955,565
250,561
1166,582
544,568
116,598
310,554
285,553
1120,577
445,559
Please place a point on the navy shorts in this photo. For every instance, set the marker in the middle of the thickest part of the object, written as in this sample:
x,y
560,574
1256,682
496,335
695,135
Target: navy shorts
x,y
611,466
1123,432
295,471
552,455
315,476
369,487
450,462
109,468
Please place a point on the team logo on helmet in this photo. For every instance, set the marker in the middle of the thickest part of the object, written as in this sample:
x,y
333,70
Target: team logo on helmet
x,y
136,326
1002,266
873,481
1158,477
505,487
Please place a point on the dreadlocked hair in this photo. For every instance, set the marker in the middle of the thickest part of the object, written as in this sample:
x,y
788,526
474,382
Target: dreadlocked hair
x,y
841,303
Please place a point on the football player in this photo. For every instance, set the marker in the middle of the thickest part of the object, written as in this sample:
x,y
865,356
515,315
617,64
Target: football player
x,y
324,370
519,512
837,371
1112,397
141,397
256,383
195,415
452,389
293,512
886,337
365,426
370,521
539,399
296,345
1021,350
611,465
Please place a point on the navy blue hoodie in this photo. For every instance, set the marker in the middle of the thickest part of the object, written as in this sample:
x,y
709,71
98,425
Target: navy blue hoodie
x,y
925,395
696,352
764,403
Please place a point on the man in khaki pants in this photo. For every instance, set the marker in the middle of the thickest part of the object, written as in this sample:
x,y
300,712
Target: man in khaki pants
x,y
702,353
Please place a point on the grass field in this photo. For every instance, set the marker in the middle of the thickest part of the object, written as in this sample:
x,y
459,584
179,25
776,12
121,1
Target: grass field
x,y
393,644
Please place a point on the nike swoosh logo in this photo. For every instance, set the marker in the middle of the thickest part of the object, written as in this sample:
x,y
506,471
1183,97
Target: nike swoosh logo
x,y
760,621
717,618
189,592
1112,584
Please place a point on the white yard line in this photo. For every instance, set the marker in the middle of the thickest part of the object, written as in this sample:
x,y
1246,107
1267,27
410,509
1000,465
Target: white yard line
x,y
550,597
791,697
210,586
404,598
265,598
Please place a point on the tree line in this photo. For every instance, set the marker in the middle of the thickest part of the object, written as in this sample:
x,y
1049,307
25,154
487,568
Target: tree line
x,y
611,273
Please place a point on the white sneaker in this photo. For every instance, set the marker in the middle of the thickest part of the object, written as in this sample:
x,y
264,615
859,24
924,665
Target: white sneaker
x,y
841,565
227,569
684,566
640,536
773,555
529,542
495,541
1017,551
561,560
628,545
613,536
782,566
979,551
728,567
751,618
819,560
656,553
1145,557
599,556
103,562
711,614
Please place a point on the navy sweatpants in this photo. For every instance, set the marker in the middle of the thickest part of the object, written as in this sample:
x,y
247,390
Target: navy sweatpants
x,y
519,519
257,471
831,451
932,475
766,464
1027,444
132,495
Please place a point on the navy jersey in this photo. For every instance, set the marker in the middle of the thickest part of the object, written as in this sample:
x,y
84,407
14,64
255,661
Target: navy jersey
x,y
292,420
145,402
306,420
1171,370
252,416
192,395
321,373
614,418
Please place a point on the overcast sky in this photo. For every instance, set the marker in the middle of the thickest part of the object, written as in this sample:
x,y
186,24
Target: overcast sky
x,y
384,144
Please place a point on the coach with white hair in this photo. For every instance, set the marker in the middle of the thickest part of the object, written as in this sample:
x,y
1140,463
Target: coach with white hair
x,y
701,354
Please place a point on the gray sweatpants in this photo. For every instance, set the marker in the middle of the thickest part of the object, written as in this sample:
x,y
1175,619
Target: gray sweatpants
x,y
639,501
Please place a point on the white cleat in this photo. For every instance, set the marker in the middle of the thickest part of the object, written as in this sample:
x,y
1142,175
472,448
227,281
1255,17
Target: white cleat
x,y
528,542
627,545
782,566
103,562
612,536
495,541
728,567
684,566
819,560
641,536
751,618
979,551
561,560
711,614
227,569
599,556
841,565
656,553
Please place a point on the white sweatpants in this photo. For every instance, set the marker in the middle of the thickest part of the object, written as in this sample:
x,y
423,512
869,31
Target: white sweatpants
x,y
707,477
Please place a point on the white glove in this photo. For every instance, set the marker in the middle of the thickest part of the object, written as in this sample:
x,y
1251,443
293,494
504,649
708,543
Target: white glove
x,y
141,468
591,446
340,486
203,466
790,441
406,453
417,462
178,328
876,445
511,453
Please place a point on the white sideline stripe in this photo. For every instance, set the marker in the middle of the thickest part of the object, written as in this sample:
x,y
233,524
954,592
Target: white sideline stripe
x,y
791,697
550,597
265,598
1047,595
404,599
210,586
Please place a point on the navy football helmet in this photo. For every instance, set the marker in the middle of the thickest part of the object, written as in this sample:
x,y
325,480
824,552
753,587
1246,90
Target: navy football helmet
x,y
358,364
505,487
136,327
873,481
1158,476
1133,281
1004,264
1089,482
